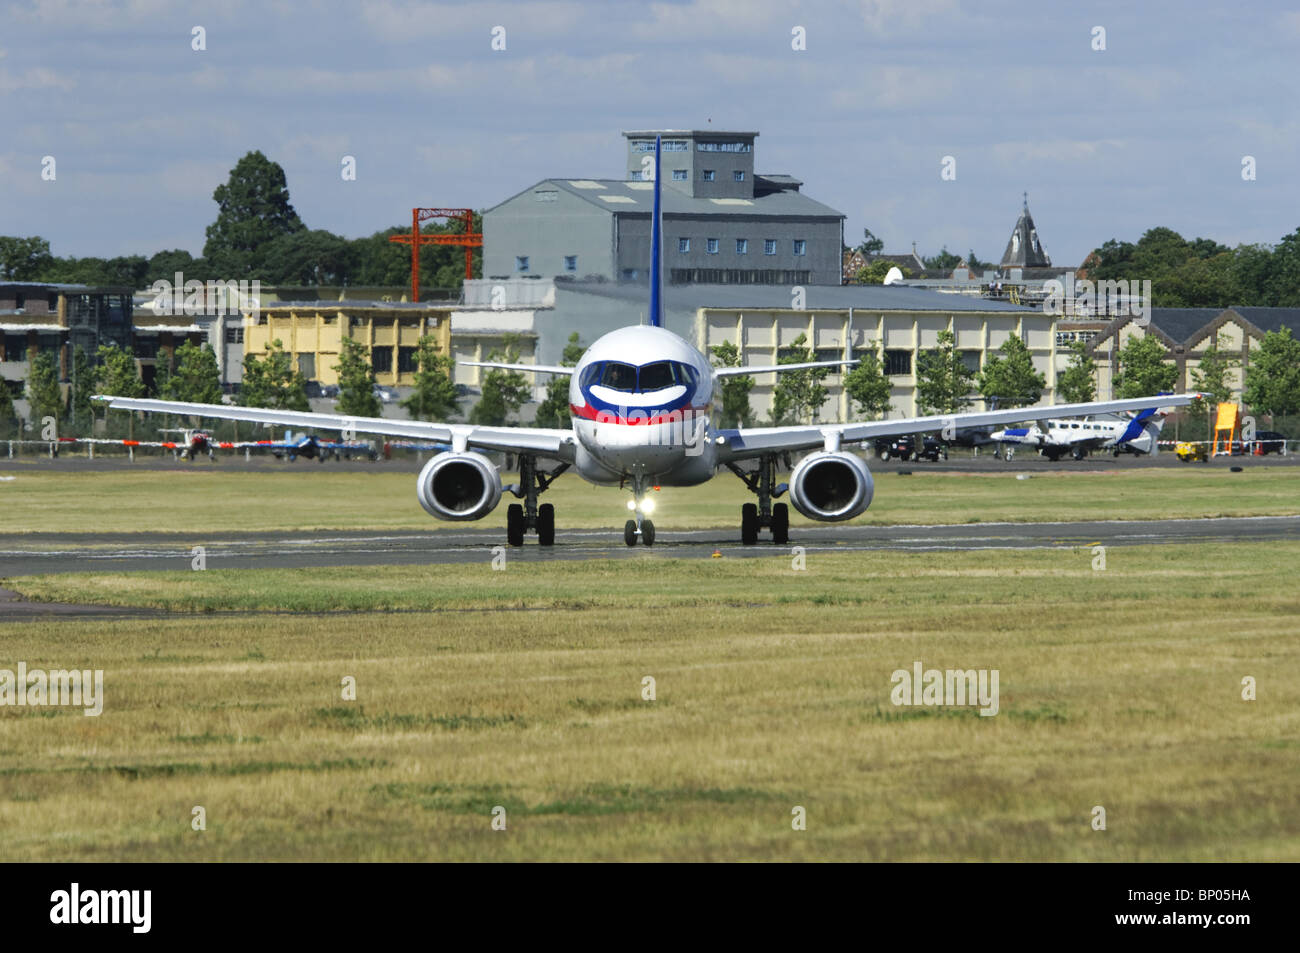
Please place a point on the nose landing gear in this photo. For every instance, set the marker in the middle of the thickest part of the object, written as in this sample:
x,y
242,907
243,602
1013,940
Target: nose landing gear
x,y
641,526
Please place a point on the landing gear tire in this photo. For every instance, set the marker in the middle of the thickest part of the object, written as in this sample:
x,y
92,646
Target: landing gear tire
x,y
515,524
749,524
647,533
884,456
629,532
780,524
546,524
1078,453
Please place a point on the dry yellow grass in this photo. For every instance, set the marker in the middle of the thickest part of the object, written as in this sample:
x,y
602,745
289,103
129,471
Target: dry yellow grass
x,y
1118,688
207,498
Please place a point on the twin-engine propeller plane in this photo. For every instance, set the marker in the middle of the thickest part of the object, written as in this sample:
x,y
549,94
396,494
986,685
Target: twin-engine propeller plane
x,y
641,400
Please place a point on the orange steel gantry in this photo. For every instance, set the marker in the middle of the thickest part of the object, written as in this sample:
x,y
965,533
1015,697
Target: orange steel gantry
x,y
469,239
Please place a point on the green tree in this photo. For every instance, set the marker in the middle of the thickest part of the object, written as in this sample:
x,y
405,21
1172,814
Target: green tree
x,y
165,264
1211,375
503,392
308,258
117,374
356,381
943,382
24,259
875,273
253,210
8,416
84,386
798,395
44,395
735,411
976,265
944,261
1283,283
272,381
554,410
1143,369
1273,377
1009,375
867,385
196,379
1077,384
434,395
871,245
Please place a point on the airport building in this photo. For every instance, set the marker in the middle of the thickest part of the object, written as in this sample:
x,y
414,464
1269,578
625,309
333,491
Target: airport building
x,y
897,322
1185,333
723,222
312,332
58,319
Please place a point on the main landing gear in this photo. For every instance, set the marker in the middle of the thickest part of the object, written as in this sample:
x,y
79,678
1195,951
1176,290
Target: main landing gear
x,y
642,506
765,513
521,518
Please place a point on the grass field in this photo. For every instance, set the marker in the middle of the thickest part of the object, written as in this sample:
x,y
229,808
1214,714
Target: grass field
x,y
523,689
307,496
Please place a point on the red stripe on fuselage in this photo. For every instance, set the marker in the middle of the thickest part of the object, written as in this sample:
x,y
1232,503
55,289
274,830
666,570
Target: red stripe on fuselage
x,y
589,412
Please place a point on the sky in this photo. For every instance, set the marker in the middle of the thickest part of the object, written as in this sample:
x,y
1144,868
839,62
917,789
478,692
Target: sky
x,y
1151,130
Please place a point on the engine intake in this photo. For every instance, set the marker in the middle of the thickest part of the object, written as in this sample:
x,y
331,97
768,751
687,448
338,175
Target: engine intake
x,y
459,486
830,486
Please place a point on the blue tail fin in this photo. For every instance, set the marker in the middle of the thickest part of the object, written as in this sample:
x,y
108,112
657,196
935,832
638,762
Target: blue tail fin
x,y
656,254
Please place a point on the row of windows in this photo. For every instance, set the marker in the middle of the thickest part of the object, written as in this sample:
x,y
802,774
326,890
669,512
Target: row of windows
x,y
679,175
669,145
522,263
679,145
799,246
899,363
735,276
381,360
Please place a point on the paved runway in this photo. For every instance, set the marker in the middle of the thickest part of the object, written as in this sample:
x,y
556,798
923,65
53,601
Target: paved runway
x,y
100,552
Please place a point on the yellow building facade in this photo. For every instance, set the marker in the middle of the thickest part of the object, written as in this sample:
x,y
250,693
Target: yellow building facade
x,y
313,332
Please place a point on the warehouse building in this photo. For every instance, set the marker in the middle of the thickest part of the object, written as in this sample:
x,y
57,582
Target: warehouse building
x,y
723,223
312,332
897,322
1185,333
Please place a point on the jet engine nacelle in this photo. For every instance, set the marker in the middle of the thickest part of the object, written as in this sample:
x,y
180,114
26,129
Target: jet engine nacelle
x,y
459,486
831,486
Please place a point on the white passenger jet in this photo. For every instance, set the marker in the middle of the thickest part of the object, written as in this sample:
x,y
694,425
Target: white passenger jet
x,y
641,400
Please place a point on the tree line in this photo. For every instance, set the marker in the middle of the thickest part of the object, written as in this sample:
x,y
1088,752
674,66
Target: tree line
x,y
257,234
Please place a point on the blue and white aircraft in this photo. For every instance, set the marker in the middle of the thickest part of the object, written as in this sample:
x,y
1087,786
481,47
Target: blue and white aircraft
x,y
1138,433
642,401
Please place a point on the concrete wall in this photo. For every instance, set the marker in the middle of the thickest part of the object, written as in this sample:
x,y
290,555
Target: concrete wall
x,y
546,224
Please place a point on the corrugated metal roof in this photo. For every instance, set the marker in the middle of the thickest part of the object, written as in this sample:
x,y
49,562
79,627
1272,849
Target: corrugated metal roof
x,y
620,197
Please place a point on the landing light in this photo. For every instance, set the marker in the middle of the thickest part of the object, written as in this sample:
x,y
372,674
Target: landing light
x,y
647,506
631,504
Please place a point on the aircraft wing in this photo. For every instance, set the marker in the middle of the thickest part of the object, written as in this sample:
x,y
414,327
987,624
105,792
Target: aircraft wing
x,y
552,443
775,368
753,442
535,368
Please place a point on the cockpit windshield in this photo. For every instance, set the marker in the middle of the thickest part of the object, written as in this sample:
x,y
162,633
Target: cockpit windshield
x,y
618,376
656,376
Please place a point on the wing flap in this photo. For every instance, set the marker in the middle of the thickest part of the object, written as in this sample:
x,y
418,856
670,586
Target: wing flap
x,y
740,444
555,443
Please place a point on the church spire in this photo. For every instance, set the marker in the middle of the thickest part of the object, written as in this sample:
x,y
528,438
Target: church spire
x,y
1024,250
